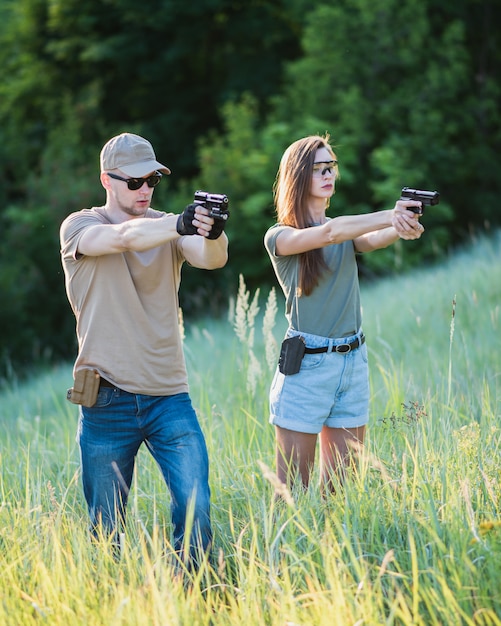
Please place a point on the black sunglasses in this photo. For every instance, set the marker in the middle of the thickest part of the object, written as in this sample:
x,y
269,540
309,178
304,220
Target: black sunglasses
x,y
136,183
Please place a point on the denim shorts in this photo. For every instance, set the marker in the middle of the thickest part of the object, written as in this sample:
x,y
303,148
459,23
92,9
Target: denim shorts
x,y
331,389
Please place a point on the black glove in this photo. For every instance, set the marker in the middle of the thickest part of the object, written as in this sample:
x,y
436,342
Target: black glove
x,y
184,224
218,226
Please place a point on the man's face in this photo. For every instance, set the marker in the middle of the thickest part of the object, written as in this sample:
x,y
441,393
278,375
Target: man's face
x,y
134,203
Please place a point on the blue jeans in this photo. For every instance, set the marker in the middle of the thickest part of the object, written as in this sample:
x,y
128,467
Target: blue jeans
x,y
110,434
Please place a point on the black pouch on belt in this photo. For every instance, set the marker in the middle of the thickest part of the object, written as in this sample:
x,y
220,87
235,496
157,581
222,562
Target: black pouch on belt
x,y
291,355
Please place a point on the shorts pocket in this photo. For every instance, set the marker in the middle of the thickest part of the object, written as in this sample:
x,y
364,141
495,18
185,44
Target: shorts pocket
x,y
311,361
277,385
364,353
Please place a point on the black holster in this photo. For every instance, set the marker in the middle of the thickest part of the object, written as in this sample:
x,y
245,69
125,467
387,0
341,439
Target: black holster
x,y
291,355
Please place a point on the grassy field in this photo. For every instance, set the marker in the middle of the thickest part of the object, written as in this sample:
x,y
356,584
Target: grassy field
x,y
413,538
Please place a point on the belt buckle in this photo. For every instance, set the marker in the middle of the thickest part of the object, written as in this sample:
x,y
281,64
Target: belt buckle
x,y
343,348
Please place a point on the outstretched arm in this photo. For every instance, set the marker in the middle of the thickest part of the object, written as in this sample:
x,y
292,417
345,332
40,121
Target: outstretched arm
x,y
369,231
135,234
144,233
405,225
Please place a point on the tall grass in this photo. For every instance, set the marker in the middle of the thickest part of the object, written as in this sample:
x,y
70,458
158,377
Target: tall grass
x,y
414,537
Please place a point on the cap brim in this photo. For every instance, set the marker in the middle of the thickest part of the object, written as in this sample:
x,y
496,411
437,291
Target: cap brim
x,y
138,170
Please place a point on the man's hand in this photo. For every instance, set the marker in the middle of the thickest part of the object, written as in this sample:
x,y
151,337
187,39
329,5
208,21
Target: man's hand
x,y
195,220
217,227
185,224
405,222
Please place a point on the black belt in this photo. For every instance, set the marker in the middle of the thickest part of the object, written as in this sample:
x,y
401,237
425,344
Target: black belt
x,y
106,383
343,348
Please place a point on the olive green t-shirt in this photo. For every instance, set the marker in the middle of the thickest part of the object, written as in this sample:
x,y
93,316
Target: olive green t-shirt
x,y
333,308
126,310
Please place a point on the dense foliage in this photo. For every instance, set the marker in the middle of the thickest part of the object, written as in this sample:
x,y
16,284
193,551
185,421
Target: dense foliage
x,y
407,90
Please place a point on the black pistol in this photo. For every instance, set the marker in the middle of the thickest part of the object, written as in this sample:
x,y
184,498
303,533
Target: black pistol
x,y
216,203
427,198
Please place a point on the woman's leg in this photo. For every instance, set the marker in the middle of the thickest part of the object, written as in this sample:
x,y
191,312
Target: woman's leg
x,y
295,452
338,446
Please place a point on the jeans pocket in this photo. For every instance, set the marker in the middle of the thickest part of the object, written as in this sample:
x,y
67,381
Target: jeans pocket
x,y
104,397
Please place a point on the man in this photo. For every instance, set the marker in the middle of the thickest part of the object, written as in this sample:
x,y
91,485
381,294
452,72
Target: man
x,y
122,264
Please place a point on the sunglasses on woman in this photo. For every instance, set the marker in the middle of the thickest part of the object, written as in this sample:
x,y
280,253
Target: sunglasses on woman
x,y
320,168
136,183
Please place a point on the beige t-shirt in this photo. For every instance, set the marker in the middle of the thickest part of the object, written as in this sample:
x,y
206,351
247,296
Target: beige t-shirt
x,y
126,309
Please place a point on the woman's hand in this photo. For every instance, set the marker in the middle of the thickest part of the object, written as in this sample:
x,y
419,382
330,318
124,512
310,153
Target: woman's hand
x,y
405,221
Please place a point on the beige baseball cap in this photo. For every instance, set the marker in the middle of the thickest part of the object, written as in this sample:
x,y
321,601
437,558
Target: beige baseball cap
x,y
132,154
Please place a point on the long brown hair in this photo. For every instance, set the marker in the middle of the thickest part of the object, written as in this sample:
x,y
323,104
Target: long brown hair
x,y
291,192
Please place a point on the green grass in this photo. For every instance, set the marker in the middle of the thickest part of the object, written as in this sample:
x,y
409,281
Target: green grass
x,y
413,538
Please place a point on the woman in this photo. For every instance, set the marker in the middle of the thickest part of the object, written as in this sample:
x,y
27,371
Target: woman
x,y
314,259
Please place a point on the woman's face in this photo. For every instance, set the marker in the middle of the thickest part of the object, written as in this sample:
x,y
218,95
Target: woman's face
x,y
323,176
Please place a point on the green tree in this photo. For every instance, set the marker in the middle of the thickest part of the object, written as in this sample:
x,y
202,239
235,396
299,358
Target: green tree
x,y
408,100
409,91
164,70
72,75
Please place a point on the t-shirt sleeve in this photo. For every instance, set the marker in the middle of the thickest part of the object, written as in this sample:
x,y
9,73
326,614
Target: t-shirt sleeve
x,y
72,230
270,239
